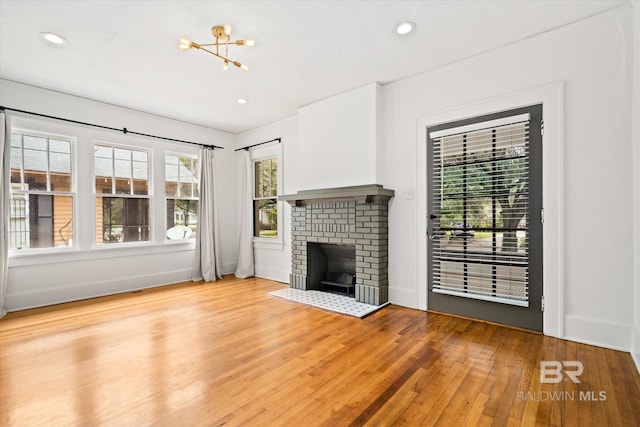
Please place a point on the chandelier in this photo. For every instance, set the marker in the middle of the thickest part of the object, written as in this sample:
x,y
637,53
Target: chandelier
x,y
223,40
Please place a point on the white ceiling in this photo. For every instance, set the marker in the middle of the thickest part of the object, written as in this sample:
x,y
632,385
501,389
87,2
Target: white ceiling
x,y
126,52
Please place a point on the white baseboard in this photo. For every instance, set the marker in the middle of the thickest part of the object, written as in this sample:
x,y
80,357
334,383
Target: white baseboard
x,y
402,297
58,295
229,268
591,331
277,274
635,347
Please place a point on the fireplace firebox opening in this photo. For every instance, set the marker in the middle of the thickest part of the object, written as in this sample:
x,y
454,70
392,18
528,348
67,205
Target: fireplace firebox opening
x,y
331,268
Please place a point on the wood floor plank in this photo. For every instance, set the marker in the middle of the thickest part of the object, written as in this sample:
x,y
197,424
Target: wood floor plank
x,y
226,353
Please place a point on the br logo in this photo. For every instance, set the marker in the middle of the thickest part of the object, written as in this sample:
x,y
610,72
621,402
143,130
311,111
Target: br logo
x,y
553,372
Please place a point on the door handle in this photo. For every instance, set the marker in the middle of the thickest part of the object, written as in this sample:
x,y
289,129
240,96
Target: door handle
x,y
432,235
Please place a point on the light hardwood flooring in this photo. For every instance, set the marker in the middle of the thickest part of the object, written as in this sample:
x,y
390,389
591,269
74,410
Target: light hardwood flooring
x,y
203,354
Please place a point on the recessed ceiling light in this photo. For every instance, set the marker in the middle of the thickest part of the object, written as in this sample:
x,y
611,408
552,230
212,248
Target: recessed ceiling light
x,y
242,100
405,27
53,38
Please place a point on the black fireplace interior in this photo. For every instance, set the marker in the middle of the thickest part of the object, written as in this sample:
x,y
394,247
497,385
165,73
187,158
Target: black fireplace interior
x,y
331,268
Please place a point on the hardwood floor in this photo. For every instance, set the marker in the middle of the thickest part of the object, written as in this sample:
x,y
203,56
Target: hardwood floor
x,y
227,353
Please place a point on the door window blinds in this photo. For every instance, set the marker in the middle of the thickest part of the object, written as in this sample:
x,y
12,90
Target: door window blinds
x,y
480,203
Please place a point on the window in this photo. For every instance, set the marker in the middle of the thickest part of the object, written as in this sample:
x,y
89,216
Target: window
x,y
122,194
42,194
182,194
265,199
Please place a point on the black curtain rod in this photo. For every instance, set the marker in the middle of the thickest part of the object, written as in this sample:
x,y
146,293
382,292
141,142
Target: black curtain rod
x,y
123,130
260,143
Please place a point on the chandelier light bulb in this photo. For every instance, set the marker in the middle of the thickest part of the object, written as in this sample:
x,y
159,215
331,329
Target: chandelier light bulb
x,y
225,67
227,30
250,42
184,44
244,67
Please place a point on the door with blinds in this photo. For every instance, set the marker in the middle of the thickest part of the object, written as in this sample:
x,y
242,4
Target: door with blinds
x,y
485,217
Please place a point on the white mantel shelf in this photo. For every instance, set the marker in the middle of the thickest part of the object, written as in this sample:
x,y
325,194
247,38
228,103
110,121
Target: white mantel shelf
x,y
361,193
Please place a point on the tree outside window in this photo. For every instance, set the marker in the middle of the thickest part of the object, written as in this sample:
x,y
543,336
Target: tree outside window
x,y
265,201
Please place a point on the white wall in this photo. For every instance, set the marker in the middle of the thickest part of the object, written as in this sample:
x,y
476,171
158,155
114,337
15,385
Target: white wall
x,y
48,278
590,64
592,60
338,140
635,351
272,259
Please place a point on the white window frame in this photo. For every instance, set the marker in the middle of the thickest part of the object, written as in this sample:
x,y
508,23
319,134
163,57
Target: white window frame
x,y
148,196
166,198
259,154
71,193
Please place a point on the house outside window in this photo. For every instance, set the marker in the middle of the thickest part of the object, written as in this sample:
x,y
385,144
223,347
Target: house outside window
x,y
265,198
182,194
122,194
42,192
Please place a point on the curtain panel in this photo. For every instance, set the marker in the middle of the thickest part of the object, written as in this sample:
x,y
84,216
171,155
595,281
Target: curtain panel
x,y
245,266
5,164
207,263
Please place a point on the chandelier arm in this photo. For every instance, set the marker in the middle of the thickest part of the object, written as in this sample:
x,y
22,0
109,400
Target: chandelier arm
x,y
213,53
235,42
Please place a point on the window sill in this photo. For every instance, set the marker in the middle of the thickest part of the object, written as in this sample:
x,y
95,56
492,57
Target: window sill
x,y
266,243
18,258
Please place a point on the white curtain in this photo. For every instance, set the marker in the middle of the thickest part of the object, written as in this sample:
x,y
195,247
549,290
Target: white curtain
x,y
5,167
245,251
208,264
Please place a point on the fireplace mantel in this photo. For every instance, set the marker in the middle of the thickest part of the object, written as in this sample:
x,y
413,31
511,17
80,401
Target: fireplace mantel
x,y
360,193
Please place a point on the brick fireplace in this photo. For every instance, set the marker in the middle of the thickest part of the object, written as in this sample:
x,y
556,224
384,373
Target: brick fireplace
x,y
346,217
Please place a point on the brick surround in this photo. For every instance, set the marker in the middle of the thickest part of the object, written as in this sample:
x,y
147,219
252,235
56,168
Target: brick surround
x,y
344,216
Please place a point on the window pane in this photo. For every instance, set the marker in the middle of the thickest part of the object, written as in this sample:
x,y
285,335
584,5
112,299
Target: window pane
x,y
257,174
140,187
266,178
265,216
140,168
16,160
274,178
60,165
123,171
40,221
193,175
186,189
120,219
181,176
187,177
171,175
121,154
140,173
182,219
140,156
35,163
103,161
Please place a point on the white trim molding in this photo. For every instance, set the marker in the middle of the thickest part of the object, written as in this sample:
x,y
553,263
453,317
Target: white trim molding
x,y
551,96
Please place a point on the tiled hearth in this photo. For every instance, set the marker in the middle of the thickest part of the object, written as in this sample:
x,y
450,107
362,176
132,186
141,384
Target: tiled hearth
x,y
343,216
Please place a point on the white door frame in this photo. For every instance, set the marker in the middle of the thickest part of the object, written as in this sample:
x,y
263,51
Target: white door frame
x,y
551,98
